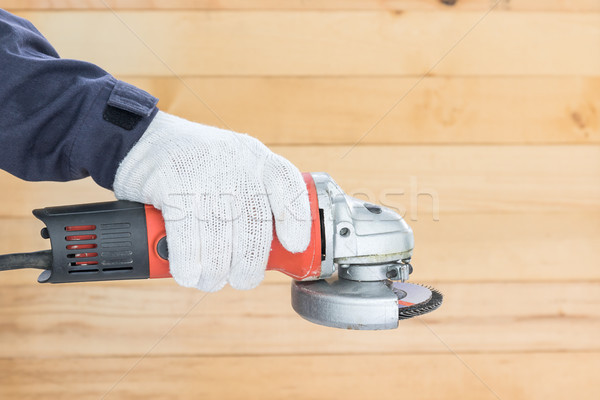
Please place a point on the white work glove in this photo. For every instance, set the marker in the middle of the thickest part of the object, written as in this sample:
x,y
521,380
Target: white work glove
x,y
218,191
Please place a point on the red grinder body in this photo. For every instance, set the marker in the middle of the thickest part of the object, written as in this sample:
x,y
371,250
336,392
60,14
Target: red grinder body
x,y
127,240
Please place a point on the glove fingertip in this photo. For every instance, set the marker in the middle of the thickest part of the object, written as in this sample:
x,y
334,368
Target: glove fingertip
x,y
294,234
186,277
211,286
296,245
247,283
290,204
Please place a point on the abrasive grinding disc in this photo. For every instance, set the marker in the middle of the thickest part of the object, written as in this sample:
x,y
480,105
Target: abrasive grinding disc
x,y
414,299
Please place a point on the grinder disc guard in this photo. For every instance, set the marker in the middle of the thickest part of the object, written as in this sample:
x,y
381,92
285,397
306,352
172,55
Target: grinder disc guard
x,y
346,304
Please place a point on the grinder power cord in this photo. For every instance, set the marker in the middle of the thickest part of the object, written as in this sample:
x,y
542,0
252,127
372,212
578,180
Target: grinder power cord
x,y
199,204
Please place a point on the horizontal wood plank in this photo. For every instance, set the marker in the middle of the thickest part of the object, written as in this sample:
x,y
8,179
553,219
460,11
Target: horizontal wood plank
x,y
383,5
438,110
457,248
354,43
417,181
540,376
129,318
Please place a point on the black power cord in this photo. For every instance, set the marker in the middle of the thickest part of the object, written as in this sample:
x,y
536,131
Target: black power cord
x,y
38,259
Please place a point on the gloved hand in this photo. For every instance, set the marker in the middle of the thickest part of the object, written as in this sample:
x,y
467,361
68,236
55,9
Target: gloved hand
x,y
218,191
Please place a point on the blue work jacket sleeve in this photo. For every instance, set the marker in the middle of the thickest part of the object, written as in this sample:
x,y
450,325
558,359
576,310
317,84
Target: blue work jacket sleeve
x,y
62,119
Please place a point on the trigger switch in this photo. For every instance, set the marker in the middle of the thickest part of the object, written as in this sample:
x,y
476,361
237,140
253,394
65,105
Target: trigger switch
x,y
162,249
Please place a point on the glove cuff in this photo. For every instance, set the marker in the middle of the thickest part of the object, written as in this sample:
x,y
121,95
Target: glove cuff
x,y
136,166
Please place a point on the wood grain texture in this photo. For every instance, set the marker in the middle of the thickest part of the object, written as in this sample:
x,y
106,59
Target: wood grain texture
x,y
456,110
324,5
418,181
493,159
327,44
126,319
514,247
545,376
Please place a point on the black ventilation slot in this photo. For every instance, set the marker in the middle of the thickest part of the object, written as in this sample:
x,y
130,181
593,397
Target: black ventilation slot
x,y
117,261
108,245
82,255
117,269
121,225
116,235
76,228
71,238
117,253
84,271
81,263
82,246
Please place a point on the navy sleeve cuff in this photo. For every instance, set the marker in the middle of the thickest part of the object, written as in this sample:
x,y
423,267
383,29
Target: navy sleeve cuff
x,y
116,119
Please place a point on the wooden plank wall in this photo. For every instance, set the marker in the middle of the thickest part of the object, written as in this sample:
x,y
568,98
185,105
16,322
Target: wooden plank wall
x,y
479,121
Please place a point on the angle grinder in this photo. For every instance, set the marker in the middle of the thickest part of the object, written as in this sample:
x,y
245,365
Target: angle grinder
x,y
353,275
